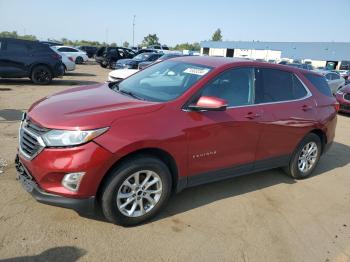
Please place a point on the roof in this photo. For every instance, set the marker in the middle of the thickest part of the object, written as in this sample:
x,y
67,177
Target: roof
x,y
298,50
210,61
217,62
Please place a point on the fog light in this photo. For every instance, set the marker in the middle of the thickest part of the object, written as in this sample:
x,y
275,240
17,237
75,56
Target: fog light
x,y
72,181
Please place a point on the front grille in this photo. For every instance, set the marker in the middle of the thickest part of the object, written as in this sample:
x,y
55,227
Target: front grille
x,y
30,141
344,107
347,96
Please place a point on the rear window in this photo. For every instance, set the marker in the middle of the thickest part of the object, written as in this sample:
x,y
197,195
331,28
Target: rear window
x,y
320,83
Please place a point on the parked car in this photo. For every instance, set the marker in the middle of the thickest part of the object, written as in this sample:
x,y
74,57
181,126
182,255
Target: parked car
x,y
68,62
343,98
89,50
179,123
344,74
301,66
51,43
159,48
79,56
120,74
335,81
164,57
144,50
22,58
134,62
108,56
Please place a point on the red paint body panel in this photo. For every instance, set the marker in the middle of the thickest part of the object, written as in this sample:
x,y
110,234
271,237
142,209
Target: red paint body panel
x,y
344,103
199,142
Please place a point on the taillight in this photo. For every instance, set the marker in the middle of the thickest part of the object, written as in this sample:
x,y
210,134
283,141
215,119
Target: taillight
x,y
337,106
56,56
70,58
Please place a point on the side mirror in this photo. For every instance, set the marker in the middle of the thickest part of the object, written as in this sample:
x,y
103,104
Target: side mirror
x,y
209,103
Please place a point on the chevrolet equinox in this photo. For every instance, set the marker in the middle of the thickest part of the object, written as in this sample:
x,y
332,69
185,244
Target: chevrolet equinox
x,y
126,146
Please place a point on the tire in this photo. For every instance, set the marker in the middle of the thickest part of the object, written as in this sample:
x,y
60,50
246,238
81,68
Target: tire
x,y
41,75
104,65
79,60
296,168
64,70
120,189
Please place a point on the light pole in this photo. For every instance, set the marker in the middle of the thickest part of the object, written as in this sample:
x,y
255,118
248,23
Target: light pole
x,y
133,31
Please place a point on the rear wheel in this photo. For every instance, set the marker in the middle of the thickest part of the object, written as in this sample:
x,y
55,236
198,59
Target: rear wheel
x,y
41,75
305,158
79,60
136,191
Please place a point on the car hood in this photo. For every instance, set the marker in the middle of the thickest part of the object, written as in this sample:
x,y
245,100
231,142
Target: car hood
x,y
346,88
128,61
86,107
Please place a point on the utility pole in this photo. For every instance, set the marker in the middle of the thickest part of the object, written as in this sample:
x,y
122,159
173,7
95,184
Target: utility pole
x,y
133,31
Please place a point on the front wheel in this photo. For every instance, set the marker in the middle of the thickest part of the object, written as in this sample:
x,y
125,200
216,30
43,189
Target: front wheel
x,y
305,158
136,191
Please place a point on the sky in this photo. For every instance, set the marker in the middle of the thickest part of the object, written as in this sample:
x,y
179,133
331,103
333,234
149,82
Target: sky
x,y
179,21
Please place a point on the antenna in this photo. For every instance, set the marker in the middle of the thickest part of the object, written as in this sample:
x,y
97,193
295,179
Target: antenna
x,y
133,31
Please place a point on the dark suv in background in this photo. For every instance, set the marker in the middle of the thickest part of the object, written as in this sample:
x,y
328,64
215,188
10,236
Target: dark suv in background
x,y
90,50
108,56
22,58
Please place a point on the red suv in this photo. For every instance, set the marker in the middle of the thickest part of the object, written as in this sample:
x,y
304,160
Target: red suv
x,y
128,145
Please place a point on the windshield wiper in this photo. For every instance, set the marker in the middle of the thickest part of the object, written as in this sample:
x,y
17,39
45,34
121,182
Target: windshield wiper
x,y
129,93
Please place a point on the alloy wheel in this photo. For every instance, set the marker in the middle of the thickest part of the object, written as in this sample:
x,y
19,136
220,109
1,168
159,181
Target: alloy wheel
x,y
308,157
139,193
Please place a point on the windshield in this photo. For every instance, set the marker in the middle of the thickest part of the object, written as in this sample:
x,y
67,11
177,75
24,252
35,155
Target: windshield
x,y
164,81
143,56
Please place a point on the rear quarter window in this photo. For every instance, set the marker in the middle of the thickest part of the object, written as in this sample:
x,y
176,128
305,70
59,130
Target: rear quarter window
x,y
320,83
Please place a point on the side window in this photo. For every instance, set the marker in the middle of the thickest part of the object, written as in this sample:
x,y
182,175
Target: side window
x,y
328,76
235,86
153,58
14,47
71,50
320,83
273,85
335,76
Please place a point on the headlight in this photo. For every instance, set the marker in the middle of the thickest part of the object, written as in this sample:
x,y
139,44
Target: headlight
x,y
71,137
340,92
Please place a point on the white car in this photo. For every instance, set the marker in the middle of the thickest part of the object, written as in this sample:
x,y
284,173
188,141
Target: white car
x,y
78,56
334,80
120,74
67,61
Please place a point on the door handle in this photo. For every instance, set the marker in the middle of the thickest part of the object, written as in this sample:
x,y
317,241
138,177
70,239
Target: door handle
x,y
253,115
306,107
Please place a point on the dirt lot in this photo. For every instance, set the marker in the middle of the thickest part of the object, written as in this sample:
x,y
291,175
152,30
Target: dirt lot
x,y
261,217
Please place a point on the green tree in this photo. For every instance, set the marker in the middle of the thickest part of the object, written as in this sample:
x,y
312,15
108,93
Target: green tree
x,y
126,44
14,34
150,40
187,46
217,35
113,45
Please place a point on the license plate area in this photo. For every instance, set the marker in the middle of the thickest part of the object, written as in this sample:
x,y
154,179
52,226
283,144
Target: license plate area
x,y
24,177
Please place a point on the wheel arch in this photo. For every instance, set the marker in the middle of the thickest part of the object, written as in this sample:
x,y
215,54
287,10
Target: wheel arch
x,y
321,134
158,153
40,64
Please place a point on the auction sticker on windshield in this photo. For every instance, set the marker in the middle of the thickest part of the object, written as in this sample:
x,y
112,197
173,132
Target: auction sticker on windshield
x,y
196,71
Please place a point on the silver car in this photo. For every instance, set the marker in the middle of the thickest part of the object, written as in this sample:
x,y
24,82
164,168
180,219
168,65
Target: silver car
x,y
335,81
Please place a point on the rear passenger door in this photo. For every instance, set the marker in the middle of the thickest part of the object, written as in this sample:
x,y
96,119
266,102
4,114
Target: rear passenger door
x,y
289,113
14,58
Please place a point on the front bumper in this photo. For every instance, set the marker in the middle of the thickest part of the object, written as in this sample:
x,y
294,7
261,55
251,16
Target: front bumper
x,y
343,103
82,206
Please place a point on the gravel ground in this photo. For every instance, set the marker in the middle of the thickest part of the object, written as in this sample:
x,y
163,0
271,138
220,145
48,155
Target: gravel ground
x,y
265,216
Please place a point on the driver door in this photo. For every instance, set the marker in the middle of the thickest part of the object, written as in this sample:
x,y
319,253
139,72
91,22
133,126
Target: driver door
x,y
223,143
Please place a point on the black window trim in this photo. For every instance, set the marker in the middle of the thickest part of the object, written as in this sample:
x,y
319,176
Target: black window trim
x,y
308,92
